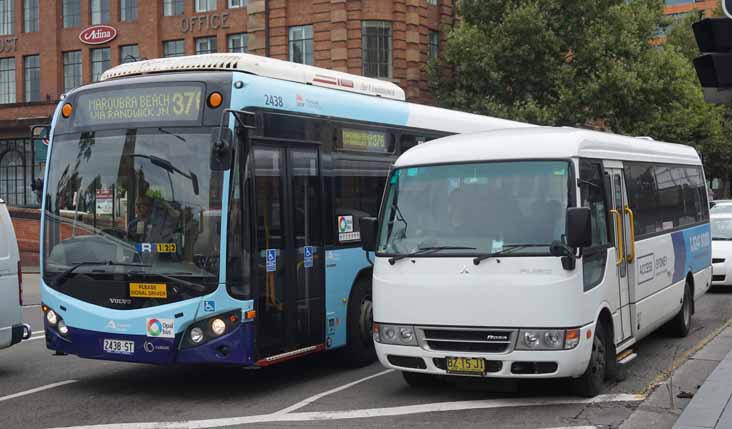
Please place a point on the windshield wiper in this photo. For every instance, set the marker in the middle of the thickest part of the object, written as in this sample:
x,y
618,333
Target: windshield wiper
x,y
507,249
197,287
58,281
426,251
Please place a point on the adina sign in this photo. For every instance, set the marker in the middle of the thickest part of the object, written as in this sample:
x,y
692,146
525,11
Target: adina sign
x,y
98,34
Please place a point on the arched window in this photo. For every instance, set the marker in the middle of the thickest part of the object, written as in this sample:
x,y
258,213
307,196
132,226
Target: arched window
x,y
12,178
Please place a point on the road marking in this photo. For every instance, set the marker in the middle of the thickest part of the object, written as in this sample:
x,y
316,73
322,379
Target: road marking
x,y
36,390
314,398
369,413
575,427
31,305
34,338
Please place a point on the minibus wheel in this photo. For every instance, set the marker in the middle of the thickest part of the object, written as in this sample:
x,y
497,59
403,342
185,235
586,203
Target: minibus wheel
x,y
592,382
359,350
681,324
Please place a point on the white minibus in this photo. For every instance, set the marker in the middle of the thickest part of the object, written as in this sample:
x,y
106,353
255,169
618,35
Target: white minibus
x,y
12,329
536,253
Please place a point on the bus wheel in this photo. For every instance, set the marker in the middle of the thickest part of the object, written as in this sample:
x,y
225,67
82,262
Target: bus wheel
x,y
420,380
359,350
592,382
681,324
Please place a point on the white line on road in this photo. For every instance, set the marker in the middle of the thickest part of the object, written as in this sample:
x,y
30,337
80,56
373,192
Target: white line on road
x,y
34,338
369,413
36,390
314,398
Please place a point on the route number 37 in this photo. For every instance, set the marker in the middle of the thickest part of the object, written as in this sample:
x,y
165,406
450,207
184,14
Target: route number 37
x,y
273,100
184,102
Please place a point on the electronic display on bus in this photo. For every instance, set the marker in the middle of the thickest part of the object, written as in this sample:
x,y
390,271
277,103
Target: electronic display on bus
x,y
140,105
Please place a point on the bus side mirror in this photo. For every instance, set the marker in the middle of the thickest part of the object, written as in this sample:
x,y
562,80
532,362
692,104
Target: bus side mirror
x,y
369,229
579,227
221,149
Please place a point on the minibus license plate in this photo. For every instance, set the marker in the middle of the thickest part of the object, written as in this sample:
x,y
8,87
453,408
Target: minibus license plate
x,y
459,365
119,347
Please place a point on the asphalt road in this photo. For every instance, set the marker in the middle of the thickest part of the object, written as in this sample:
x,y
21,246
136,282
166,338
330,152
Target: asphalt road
x,y
38,390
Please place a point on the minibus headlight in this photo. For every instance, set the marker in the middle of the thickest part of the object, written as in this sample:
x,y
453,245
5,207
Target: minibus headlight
x,y
399,335
547,339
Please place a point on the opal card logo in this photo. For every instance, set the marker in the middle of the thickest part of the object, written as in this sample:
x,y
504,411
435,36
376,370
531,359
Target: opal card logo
x,y
161,328
345,224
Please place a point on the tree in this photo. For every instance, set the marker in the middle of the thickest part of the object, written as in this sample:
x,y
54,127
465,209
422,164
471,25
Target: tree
x,y
574,62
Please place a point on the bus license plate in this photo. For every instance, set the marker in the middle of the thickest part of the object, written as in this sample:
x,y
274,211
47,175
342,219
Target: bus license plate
x,y
119,347
470,366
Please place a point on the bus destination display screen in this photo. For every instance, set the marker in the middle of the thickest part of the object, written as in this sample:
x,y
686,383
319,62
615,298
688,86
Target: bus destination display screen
x,y
141,105
365,141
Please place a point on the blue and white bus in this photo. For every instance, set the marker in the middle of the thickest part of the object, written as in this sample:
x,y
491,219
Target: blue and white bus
x,y
205,209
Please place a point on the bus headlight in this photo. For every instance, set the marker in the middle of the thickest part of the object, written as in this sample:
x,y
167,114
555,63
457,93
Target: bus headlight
x,y
399,335
196,335
547,339
52,317
62,328
218,327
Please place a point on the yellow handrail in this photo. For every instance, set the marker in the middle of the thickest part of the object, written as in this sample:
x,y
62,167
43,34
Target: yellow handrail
x,y
631,219
618,235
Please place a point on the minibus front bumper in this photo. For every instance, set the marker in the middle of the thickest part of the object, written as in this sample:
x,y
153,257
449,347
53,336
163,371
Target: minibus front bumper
x,y
511,364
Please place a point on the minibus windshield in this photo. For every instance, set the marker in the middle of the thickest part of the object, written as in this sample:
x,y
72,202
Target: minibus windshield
x,y
475,208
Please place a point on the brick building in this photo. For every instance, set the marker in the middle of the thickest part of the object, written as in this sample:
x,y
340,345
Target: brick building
x,y
46,49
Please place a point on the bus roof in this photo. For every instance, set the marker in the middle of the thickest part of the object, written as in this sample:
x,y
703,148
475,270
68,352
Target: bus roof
x,y
261,66
546,143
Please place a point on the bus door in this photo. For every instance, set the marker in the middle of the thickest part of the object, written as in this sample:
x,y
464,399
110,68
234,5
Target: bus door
x,y
622,245
289,273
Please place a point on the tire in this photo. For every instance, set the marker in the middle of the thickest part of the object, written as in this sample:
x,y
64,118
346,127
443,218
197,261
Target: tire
x,y
592,382
359,350
418,380
680,325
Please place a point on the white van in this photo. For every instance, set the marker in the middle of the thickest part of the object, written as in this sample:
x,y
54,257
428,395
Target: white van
x,y
12,328
536,253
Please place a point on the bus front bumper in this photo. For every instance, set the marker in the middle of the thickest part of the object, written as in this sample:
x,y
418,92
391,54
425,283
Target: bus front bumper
x,y
514,364
232,348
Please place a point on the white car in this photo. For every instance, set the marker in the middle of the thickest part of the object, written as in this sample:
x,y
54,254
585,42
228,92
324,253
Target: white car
x,y
721,208
721,249
12,328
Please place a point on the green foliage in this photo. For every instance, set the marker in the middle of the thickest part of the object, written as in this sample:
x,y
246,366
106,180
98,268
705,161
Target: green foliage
x,y
578,62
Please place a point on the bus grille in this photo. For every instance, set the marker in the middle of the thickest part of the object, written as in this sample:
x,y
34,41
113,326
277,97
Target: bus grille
x,y
472,340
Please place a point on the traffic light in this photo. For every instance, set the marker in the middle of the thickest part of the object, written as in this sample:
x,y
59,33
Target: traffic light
x,y
714,66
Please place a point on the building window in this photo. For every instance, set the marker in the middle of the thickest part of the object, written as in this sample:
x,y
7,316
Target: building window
x,y
301,44
434,45
233,4
129,53
101,60
7,80
173,7
7,17
205,5
238,42
432,2
72,13
31,21
173,48
127,10
32,68
99,11
205,45
12,177
72,70
376,45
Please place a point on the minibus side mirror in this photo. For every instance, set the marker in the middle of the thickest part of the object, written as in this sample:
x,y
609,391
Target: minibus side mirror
x,y
579,227
221,149
369,229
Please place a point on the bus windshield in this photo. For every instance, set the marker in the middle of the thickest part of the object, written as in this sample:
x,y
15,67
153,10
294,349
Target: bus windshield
x,y
476,208
138,201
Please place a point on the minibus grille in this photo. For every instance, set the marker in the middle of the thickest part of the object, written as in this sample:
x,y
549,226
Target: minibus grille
x,y
474,340
717,260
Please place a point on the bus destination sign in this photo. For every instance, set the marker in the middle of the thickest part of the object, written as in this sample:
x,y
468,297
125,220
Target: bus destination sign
x,y
170,103
364,140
